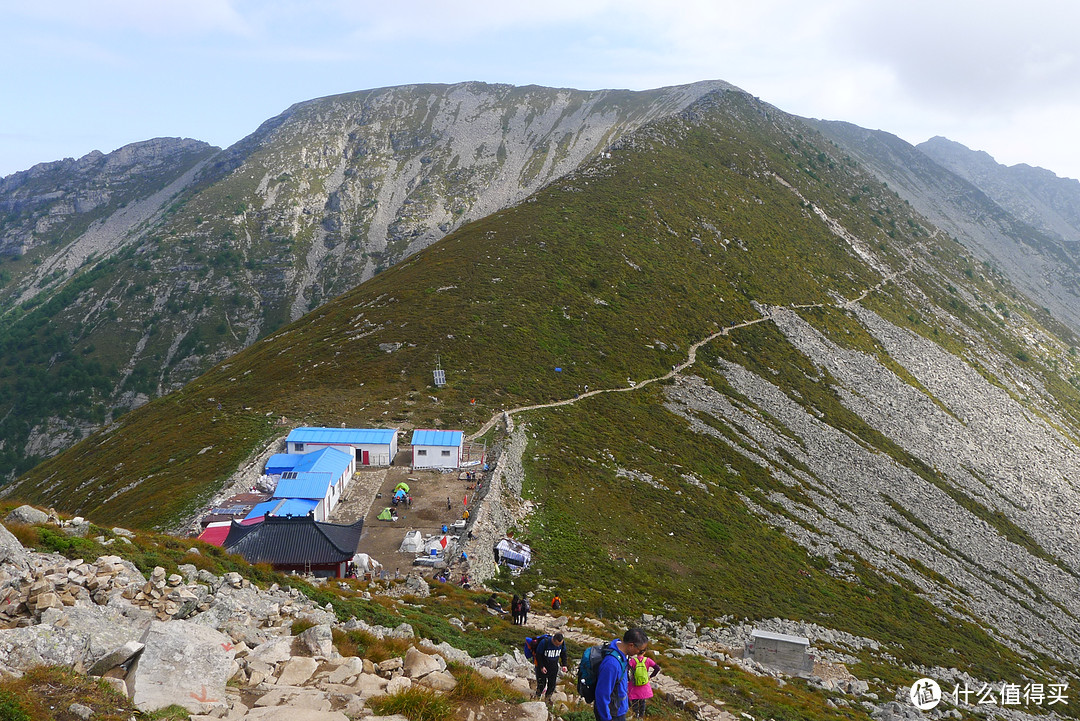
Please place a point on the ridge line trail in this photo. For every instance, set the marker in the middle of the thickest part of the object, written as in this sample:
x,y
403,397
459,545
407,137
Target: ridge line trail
x,y
691,354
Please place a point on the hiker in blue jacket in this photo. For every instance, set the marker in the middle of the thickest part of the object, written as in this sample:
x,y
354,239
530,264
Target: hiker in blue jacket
x,y
611,702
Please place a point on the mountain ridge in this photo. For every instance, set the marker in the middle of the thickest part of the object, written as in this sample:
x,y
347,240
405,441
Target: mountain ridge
x,y
319,198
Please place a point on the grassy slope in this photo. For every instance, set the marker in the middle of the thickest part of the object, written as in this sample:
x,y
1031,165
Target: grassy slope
x,y
551,283
585,276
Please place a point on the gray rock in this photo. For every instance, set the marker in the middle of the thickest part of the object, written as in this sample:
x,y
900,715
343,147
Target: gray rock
x,y
295,697
22,648
403,630
83,712
368,685
107,628
77,527
438,680
296,671
184,664
397,685
292,713
316,641
117,657
11,551
273,651
453,654
418,664
389,665
533,711
28,515
417,586
349,669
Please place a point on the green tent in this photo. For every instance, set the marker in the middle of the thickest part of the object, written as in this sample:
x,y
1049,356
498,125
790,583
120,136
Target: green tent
x,y
385,515
403,486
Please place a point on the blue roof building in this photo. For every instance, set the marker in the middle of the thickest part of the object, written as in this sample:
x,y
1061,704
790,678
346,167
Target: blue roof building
x,y
319,477
437,449
370,446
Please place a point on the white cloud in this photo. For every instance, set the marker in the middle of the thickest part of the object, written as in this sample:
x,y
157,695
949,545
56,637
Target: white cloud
x,y
979,72
152,17
971,55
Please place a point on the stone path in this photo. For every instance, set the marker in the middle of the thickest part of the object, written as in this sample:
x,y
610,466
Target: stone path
x,y
663,685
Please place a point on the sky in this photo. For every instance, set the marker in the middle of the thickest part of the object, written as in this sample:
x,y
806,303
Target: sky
x,y
1001,76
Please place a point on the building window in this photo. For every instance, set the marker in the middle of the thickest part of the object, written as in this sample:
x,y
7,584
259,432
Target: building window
x,y
422,452
446,453
298,446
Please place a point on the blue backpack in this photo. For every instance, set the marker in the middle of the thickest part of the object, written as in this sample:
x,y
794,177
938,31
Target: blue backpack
x,y
589,670
531,644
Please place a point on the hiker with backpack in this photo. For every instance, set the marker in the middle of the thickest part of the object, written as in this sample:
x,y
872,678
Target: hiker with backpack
x,y
556,603
550,658
523,610
642,670
603,675
515,610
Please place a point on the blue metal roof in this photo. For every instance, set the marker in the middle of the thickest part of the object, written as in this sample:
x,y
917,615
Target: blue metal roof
x,y
284,507
436,438
281,462
343,436
264,508
305,485
296,507
327,460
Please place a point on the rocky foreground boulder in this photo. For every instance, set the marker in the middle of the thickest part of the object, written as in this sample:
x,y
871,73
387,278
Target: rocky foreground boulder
x,y
215,645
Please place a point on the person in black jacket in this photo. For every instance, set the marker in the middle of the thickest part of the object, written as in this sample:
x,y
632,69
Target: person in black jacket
x,y
550,658
515,610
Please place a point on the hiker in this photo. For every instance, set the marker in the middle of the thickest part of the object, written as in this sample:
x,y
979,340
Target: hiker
x,y
642,671
449,506
515,609
465,515
524,608
464,583
611,703
550,658
494,605
556,603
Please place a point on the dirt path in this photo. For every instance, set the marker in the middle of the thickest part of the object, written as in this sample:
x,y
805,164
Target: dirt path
x,y
691,359
430,490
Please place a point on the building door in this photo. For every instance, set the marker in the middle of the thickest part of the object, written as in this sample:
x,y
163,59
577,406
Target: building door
x,y
366,458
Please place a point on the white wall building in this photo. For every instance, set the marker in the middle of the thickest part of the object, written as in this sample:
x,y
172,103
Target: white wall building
x,y
437,449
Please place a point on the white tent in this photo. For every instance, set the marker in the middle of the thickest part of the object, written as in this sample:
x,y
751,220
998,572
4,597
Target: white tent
x,y
513,553
365,563
413,542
